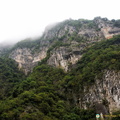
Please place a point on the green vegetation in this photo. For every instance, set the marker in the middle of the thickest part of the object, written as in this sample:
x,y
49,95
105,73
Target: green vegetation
x,y
48,93
28,43
76,24
9,77
39,97
102,56
117,23
116,115
79,23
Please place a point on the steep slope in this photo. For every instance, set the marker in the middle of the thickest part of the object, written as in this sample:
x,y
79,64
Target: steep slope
x,y
64,43
28,53
84,49
9,76
95,80
49,93
39,98
105,93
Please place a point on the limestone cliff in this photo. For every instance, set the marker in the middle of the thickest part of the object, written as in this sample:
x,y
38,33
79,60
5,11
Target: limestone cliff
x,y
104,94
74,37
88,33
62,46
107,27
26,59
64,57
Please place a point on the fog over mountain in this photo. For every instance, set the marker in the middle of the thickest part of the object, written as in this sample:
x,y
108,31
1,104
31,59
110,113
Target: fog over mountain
x,y
71,73
22,19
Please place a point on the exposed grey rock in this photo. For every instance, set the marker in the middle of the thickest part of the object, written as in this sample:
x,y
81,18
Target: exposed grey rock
x,y
64,56
106,27
105,91
26,59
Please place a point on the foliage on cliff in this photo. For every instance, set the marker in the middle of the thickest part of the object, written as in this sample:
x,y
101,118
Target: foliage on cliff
x,y
103,55
9,76
48,93
39,97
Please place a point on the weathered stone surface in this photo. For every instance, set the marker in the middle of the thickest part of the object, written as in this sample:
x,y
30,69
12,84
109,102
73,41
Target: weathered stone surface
x,y
105,91
26,59
63,57
107,28
67,55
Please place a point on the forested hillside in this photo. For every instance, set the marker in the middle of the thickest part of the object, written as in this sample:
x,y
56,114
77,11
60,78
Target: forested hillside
x,y
50,93
9,77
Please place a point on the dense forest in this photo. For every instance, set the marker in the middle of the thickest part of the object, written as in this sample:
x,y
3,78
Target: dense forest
x,y
45,94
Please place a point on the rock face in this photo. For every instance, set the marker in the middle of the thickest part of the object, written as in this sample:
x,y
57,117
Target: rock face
x,y
63,45
107,27
82,30
105,92
26,59
75,36
63,57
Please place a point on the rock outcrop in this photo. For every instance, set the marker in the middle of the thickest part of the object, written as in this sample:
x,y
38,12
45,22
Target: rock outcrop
x,y
26,59
63,45
105,92
64,57
75,36
107,27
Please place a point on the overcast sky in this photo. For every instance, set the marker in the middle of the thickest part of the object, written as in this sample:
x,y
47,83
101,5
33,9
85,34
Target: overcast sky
x,y
21,19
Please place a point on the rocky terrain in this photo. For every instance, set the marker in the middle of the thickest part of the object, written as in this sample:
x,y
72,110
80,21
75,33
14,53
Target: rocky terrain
x,y
88,56
73,36
104,93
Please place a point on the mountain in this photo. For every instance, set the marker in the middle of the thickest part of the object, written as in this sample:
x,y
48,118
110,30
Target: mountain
x,y
72,72
64,42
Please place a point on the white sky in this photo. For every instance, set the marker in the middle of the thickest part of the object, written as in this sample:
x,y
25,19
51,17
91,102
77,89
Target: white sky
x,y
21,19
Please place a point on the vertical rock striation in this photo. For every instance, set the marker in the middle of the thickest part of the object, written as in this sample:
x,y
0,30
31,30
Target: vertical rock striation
x,y
105,92
74,37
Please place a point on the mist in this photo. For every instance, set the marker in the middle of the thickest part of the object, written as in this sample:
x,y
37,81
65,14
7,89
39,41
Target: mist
x,y
21,19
